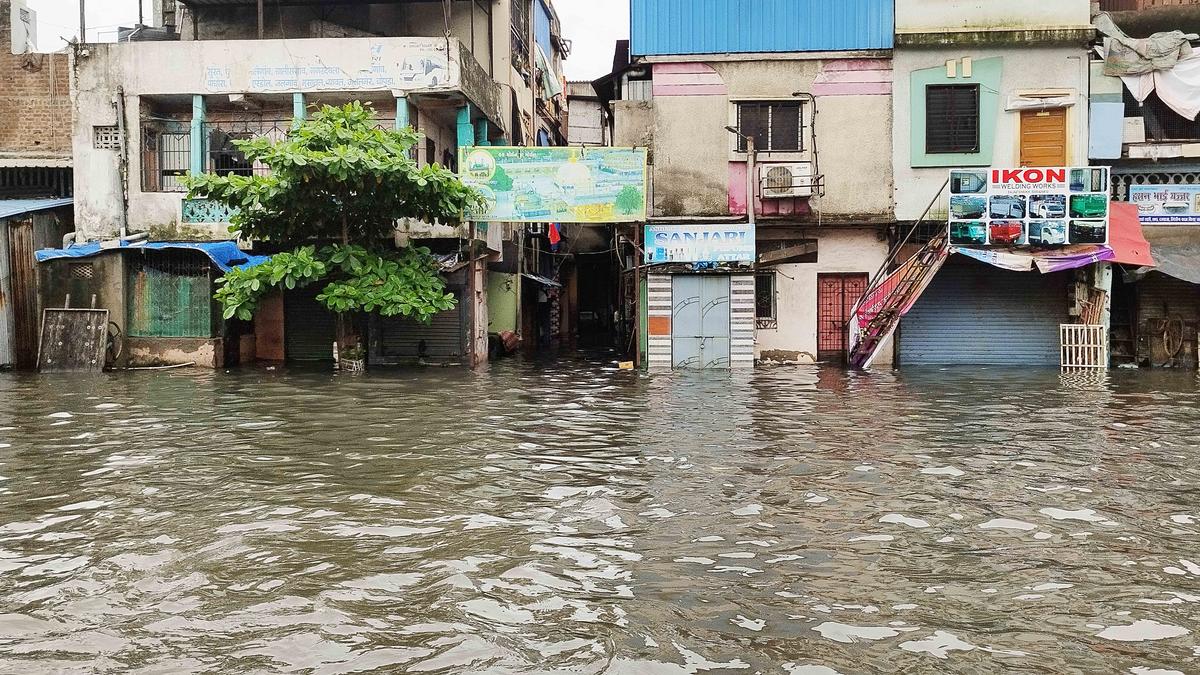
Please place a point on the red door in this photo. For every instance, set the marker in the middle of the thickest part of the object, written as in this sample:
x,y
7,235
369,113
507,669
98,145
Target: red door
x,y
836,296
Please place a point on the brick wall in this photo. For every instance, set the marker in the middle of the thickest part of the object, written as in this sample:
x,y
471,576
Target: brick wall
x,y
35,111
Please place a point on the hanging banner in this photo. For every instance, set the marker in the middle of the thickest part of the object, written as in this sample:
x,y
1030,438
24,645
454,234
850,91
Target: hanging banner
x,y
700,243
1166,204
1041,207
560,185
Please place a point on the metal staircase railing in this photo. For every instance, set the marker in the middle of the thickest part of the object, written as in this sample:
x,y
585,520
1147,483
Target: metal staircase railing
x,y
890,295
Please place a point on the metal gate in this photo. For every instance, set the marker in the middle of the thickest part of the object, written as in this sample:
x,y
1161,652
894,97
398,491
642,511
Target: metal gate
x,y
976,314
400,339
836,296
699,321
308,328
24,294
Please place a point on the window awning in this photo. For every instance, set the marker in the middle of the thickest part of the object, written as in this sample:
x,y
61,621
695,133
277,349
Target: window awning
x,y
224,254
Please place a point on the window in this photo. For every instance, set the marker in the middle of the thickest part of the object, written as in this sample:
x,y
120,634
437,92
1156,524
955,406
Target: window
x,y
774,126
520,35
764,300
1161,122
169,294
166,157
951,118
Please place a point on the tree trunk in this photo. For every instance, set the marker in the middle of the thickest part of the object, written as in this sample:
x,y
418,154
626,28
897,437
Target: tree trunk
x,y
345,328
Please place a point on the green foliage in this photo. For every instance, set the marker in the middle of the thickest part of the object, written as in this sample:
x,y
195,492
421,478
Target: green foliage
x,y
335,169
629,200
404,282
336,177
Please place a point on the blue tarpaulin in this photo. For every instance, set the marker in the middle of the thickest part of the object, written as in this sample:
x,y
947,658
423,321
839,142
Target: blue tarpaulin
x,y
224,254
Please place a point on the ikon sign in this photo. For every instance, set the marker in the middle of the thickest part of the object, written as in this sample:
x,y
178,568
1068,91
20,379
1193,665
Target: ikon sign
x,y
1024,180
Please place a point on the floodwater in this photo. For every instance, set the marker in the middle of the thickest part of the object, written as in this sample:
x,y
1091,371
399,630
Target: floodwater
x,y
573,518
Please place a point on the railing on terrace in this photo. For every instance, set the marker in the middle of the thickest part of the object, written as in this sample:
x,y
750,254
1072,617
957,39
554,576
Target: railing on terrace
x,y
167,149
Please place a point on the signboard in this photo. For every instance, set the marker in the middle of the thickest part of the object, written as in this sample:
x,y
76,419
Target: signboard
x,y
1166,204
706,243
1029,207
557,185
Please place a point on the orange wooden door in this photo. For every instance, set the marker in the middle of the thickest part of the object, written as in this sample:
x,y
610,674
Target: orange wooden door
x,y
1044,137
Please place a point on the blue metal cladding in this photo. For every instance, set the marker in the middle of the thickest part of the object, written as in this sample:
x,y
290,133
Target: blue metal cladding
x,y
662,27
541,28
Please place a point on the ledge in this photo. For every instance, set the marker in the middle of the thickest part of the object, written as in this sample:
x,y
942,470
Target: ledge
x,y
995,37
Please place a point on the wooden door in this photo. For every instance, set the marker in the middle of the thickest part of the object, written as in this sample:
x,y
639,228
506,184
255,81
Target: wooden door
x,y
24,293
1044,137
836,296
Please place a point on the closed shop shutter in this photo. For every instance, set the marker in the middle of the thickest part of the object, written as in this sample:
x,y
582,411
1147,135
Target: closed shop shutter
x,y
976,314
400,338
309,329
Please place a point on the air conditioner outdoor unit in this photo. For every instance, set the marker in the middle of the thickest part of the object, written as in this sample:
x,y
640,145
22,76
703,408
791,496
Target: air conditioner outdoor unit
x,y
780,181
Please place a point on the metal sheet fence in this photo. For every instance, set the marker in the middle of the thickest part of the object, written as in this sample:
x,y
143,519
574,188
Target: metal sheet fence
x,y
169,295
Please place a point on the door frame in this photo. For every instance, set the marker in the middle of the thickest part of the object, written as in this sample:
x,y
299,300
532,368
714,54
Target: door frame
x,y
846,307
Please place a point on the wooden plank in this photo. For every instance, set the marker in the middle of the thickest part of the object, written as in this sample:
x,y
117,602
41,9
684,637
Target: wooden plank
x,y
73,340
785,254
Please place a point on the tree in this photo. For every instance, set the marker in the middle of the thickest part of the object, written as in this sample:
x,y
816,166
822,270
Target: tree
x,y
629,200
338,178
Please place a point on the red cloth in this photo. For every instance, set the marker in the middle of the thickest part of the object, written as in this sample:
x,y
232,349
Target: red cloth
x,y
555,237
1125,235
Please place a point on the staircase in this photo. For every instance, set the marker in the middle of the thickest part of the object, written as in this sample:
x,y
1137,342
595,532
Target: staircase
x,y
878,312
891,295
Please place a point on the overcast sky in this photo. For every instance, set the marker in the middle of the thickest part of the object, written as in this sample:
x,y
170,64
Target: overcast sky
x,y
592,26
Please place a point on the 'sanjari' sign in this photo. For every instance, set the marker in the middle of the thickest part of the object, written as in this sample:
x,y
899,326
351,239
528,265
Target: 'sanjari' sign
x,y
1039,207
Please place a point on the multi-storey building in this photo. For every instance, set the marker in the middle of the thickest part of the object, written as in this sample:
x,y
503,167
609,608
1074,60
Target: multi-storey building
x,y
466,72
769,128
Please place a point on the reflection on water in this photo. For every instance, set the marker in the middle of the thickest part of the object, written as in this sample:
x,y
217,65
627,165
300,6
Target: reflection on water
x,y
581,519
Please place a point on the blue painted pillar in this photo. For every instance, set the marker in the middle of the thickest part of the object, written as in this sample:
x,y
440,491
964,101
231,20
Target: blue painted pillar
x,y
503,140
466,130
196,166
481,133
299,112
402,113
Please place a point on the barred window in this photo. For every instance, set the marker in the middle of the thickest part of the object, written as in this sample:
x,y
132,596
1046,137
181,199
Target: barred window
x,y
774,126
951,118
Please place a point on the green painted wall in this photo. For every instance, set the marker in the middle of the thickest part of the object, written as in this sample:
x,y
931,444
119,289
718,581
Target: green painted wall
x,y
987,74
503,296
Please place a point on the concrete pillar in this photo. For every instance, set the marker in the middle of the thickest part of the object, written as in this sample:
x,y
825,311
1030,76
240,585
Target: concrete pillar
x,y
481,133
196,166
466,130
299,112
402,121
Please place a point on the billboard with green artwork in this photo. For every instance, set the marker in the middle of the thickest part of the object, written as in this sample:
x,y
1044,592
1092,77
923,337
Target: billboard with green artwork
x,y
557,185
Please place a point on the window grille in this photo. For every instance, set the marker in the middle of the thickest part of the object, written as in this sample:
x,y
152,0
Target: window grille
x,y
166,158
774,126
764,301
951,118
169,294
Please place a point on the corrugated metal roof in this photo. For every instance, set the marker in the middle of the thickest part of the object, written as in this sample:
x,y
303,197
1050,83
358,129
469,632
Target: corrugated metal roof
x,y
15,207
663,27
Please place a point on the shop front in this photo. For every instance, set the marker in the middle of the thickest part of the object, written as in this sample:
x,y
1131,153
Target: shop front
x,y
700,290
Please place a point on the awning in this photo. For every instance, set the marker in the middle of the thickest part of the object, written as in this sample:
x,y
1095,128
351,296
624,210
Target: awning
x,y
15,207
1176,250
542,280
1126,245
224,254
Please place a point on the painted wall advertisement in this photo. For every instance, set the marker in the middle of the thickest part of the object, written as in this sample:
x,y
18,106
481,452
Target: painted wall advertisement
x,y
1041,208
700,243
1166,204
557,185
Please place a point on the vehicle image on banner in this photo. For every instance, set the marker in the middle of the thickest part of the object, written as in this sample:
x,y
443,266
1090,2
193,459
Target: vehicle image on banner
x,y
966,208
1047,232
1089,232
968,182
1089,206
1048,206
968,234
1006,232
1007,206
1093,179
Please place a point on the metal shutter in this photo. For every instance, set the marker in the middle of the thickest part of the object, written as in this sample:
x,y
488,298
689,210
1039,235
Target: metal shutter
x,y
309,329
445,340
976,314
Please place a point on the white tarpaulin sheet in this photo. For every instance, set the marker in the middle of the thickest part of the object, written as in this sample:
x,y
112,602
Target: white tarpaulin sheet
x,y
1178,87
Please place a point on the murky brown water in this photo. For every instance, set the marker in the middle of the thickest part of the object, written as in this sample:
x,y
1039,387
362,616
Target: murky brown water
x,y
578,519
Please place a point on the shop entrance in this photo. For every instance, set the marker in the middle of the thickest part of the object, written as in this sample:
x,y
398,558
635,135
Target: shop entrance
x,y
700,321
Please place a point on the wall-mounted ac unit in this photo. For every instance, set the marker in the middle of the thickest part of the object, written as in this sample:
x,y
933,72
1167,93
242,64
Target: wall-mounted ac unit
x,y
780,181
